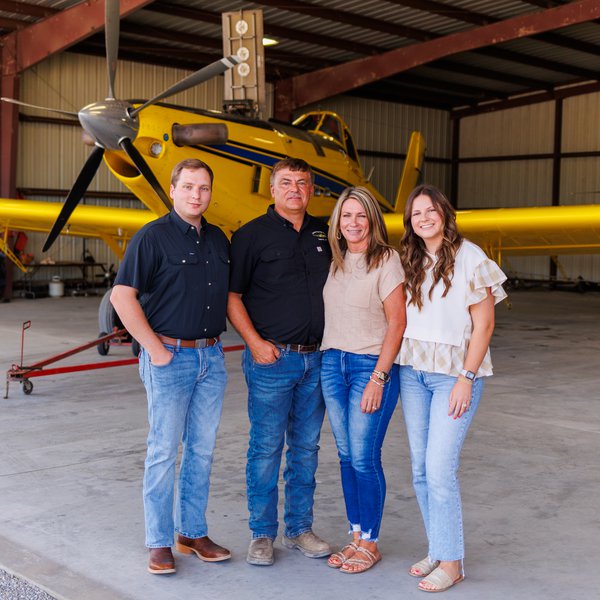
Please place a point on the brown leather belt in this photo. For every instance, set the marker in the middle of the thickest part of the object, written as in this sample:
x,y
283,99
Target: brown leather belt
x,y
201,343
296,347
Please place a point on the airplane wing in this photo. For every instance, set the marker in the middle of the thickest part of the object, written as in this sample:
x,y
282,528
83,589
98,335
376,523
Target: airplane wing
x,y
540,230
115,226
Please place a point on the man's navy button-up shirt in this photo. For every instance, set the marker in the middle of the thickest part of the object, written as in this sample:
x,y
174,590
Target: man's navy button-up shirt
x,y
181,275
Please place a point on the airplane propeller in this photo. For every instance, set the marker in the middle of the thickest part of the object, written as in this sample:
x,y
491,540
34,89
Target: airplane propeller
x,y
113,124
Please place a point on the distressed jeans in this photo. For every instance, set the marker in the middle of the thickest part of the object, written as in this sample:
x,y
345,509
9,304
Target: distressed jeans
x,y
359,436
185,400
285,404
435,441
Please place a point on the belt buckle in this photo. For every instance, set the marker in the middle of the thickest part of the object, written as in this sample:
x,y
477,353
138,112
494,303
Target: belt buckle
x,y
201,343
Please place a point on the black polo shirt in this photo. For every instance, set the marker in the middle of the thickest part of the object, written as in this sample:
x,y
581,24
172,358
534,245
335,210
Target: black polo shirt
x,y
280,273
181,276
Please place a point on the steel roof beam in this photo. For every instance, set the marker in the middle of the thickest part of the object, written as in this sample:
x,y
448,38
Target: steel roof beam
x,y
476,18
304,89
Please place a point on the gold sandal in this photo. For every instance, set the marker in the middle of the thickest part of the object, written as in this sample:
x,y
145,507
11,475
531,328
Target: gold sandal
x,y
364,564
340,556
424,567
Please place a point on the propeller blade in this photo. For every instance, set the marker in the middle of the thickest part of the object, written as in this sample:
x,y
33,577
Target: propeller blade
x,y
144,169
204,74
56,110
111,36
77,191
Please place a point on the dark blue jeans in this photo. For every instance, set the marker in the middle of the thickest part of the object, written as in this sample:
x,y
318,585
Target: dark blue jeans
x,y
358,436
284,404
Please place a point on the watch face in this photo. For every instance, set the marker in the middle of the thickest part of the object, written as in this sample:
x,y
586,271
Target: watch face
x,y
470,375
383,376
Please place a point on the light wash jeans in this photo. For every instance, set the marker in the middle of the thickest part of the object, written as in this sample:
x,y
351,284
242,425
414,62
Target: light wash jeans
x,y
185,399
358,436
435,441
284,403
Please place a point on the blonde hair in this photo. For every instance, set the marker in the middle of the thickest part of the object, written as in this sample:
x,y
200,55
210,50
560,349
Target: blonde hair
x,y
378,247
413,253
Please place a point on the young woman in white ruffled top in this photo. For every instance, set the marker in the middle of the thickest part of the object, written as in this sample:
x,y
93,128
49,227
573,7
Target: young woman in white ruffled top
x,y
451,289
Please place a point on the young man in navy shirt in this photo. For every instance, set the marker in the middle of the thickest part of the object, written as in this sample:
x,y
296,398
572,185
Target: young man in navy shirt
x,y
171,294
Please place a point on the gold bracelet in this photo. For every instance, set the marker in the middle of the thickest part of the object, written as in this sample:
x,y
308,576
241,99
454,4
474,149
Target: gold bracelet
x,y
376,382
463,378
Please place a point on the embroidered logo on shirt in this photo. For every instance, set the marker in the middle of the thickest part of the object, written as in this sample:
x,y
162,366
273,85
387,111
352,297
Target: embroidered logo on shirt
x,y
321,235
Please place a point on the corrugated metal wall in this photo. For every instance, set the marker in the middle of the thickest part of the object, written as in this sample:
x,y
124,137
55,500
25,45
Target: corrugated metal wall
x,y
524,131
386,127
51,156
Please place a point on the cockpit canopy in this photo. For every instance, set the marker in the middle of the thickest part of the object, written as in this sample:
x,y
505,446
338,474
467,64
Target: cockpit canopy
x,y
330,126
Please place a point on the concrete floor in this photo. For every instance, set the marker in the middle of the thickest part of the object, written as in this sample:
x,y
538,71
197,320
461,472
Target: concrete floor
x,y
73,451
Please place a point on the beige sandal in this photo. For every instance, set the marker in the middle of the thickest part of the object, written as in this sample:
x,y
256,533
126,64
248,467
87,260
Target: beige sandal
x,y
441,580
424,567
364,564
337,559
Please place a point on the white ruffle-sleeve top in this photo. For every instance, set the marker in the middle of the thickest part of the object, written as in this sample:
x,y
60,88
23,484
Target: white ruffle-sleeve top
x,y
437,337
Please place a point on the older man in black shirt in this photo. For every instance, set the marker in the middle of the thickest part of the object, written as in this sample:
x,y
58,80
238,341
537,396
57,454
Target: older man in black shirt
x,y
171,293
279,266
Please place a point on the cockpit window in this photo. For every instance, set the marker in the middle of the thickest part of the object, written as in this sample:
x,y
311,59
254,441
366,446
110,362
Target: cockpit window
x,y
350,148
331,126
309,123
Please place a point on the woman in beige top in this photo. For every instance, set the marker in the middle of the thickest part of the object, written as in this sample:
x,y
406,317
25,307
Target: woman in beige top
x,y
364,323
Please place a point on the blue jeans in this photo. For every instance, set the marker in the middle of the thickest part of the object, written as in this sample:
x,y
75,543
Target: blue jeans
x,y
284,402
435,441
185,399
358,436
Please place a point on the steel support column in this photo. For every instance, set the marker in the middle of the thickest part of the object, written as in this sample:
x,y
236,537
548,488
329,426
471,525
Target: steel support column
x,y
9,119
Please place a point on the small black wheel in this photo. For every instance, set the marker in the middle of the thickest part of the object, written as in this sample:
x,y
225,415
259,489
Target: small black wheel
x,y
27,387
135,347
103,347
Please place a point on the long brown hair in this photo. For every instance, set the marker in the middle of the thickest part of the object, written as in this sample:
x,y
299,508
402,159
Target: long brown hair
x,y
413,252
378,247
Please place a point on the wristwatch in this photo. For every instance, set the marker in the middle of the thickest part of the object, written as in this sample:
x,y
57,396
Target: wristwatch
x,y
382,376
468,375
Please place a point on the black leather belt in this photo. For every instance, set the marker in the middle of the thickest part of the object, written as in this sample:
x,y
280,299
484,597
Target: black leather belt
x,y
302,349
201,343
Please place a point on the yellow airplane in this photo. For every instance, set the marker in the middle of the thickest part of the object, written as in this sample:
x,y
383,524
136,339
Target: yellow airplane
x,y
141,142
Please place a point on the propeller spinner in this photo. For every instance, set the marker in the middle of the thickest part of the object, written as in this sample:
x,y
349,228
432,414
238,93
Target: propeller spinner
x,y
113,124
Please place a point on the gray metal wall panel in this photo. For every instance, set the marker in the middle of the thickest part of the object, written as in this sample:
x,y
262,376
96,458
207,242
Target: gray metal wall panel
x,y
522,130
581,115
505,184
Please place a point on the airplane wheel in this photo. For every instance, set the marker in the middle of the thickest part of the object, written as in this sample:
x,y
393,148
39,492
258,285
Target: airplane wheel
x,y
107,315
103,347
27,387
135,347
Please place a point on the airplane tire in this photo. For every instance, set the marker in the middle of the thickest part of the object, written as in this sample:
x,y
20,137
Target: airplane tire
x,y
103,347
107,315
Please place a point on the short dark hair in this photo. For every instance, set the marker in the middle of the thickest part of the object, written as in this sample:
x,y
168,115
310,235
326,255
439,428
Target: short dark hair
x,y
293,164
193,164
